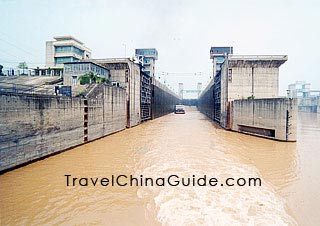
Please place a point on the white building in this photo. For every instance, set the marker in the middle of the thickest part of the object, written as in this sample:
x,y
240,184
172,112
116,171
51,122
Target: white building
x,y
147,58
65,49
73,71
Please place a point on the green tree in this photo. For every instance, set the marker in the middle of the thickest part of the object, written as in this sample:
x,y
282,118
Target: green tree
x,y
91,78
84,79
23,66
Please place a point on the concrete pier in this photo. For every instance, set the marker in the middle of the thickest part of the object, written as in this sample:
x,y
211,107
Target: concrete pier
x,y
272,118
243,96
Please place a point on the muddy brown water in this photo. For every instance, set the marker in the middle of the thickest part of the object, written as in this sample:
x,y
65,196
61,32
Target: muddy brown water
x,y
184,145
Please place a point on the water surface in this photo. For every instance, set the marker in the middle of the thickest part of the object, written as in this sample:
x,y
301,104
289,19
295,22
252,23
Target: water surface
x,y
174,144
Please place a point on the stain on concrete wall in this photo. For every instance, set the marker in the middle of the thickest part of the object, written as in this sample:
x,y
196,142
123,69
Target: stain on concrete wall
x,y
35,126
274,117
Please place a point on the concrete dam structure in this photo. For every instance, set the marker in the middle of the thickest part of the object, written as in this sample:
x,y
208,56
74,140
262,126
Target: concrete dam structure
x,y
163,100
34,126
243,96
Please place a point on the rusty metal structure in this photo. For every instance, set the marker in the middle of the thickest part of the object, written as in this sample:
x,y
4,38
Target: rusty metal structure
x,y
145,96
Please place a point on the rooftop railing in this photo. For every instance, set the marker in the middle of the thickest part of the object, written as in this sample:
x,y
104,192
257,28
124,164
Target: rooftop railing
x,y
258,57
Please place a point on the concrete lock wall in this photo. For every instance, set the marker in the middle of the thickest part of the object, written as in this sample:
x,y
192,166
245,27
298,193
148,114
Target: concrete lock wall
x,y
261,82
106,111
224,96
274,118
134,90
126,72
262,117
163,100
206,103
130,79
35,126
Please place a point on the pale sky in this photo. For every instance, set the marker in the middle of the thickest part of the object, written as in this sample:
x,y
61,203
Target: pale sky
x,y
181,31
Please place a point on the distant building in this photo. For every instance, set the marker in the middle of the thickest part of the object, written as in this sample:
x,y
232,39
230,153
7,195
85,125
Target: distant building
x,y
308,99
147,58
73,70
180,91
300,89
65,49
199,88
48,71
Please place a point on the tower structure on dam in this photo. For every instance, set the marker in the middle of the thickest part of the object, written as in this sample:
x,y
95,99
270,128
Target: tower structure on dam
x,y
243,95
199,88
147,58
180,91
218,55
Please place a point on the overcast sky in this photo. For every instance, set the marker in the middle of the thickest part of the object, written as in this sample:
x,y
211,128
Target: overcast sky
x,y
181,31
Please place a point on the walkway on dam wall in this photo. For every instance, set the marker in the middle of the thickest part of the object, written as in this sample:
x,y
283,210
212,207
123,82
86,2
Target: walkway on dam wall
x,y
173,144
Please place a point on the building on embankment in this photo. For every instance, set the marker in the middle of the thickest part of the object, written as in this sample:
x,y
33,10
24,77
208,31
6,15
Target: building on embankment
x,y
243,95
36,123
147,98
74,70
147,58
34,126
62,49
126,73
308,99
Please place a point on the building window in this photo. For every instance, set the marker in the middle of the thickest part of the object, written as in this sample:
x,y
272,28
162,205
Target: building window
x,y
230,75
127,75
74,80
62,49
61,60
147,72
67,68
68,49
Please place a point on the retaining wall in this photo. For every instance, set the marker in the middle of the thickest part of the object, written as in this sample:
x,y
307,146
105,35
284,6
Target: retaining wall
x,y
163,100
206,102
35,126
274,117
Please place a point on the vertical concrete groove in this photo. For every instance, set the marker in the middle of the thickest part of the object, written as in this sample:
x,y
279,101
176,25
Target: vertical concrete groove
x,y
85,121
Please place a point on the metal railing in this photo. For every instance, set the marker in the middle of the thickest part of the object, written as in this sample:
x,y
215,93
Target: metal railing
x,y
259,57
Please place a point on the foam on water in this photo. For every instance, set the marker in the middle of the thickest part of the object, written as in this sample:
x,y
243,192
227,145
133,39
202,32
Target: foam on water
x,y
184,145
208,205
